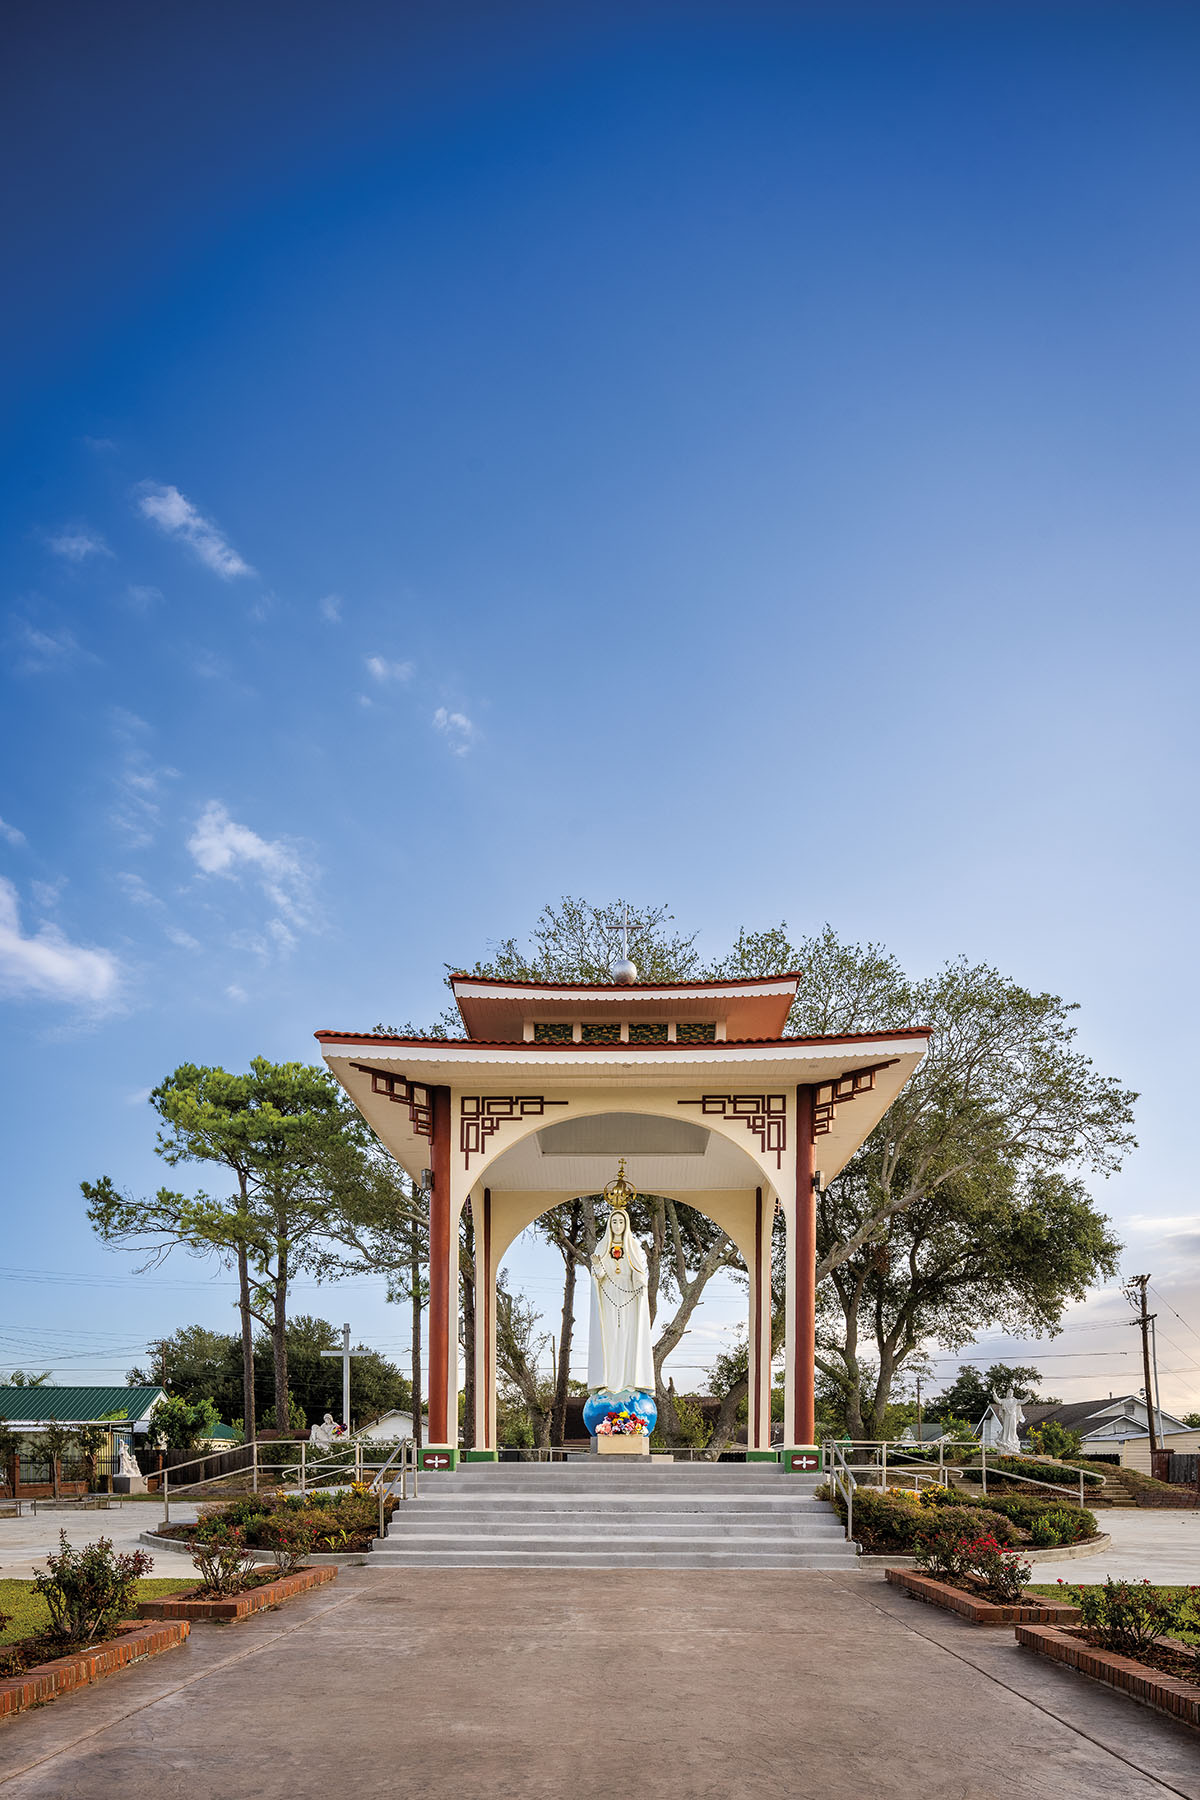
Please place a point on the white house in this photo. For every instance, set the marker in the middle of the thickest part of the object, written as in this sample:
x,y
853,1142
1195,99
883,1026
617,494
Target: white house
x,y
386,1429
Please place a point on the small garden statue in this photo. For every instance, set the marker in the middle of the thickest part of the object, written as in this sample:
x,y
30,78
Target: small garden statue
x,y
324,1435
1010,1412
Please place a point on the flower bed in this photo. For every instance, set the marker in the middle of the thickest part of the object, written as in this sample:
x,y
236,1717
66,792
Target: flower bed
x,y
46,1680
1166,1693
264,1593
893,1522
346,1521
973,1605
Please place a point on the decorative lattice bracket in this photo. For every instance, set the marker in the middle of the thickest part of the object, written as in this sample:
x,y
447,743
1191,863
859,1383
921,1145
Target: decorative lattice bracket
x,y
482,1115
416,1095
765,1115
829,1095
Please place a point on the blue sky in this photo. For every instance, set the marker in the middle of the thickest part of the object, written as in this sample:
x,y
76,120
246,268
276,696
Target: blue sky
x,y
739,455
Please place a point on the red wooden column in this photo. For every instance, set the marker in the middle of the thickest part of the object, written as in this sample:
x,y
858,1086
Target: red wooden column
x,y
755,1410
440,1275
804,1270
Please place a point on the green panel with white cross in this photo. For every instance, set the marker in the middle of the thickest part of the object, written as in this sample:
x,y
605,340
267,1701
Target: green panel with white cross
x,y
801,1459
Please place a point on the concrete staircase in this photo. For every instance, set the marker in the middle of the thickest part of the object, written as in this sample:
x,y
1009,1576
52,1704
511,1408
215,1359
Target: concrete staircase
x,y
598,1513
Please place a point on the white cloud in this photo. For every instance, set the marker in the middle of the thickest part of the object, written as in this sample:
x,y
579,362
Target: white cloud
x,y
141,599
220,846
76,546
382,670
11,835
167,508
47,894
234,992
456,728
135,889
330,609
46,652
48,966
138,1097
182,939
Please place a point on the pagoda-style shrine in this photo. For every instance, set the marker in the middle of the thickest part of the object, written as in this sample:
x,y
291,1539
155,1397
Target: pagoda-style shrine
x,y
692,1082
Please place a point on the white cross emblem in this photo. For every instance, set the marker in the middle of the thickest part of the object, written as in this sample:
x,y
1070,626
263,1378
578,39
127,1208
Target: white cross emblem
x,y
437,1462
804,1462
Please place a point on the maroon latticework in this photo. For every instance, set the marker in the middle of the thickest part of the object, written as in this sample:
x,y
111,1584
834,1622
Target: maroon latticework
x,y
480,1116
763,1114
414,1094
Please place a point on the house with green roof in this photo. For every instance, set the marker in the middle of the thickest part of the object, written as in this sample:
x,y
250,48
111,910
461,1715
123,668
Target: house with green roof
x,y
26,1411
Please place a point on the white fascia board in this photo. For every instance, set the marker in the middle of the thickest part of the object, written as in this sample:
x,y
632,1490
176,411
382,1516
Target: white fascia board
x,y
469,990
623,1059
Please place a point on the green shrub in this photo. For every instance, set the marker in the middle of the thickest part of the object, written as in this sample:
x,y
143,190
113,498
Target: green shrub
x,y
289,1537
86,1591
1055,1473
1060,1525
222,1555
1053,1439
1128,1616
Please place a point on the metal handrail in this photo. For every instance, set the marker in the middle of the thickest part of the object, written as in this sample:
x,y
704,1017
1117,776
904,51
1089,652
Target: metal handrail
x,y
844,1476
402,1451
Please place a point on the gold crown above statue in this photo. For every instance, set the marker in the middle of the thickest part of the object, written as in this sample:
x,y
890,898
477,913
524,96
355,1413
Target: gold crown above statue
x,y
621,1192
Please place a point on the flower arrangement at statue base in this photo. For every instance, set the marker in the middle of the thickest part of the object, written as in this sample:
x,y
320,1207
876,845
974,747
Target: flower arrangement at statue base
x,y
629,1413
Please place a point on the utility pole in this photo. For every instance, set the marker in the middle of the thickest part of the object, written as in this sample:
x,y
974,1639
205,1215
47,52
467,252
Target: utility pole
x,y
1137,1283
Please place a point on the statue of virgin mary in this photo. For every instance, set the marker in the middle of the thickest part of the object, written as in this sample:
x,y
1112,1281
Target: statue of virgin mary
x,y
619,1353
620,1359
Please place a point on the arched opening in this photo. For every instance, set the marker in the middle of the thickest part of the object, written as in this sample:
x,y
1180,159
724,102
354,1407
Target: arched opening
x,y
674,1163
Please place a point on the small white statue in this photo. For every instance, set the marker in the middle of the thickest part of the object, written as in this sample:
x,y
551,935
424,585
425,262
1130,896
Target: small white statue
x,y
1010,1412
127,1465
321,1437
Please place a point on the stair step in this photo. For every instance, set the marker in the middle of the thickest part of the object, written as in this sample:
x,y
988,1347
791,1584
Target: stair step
x,y
664,1558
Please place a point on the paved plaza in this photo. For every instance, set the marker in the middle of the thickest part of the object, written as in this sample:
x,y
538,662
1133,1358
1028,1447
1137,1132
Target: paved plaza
x,y
547,1683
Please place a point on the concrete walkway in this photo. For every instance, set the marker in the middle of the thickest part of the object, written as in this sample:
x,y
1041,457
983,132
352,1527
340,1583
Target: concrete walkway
x,y
1155,1546
544,1684
25,1543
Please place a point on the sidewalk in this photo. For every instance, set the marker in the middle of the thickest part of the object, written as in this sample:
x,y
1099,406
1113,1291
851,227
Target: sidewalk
x,y
1160,1546
25,1543
453,1685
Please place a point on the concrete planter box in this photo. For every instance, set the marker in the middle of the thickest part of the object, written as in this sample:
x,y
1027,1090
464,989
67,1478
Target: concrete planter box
x,y
238,1606
981,1612
1165,1693
133,1643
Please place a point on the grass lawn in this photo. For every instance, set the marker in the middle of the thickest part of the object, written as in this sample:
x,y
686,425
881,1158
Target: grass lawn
x,y
1052,1588
28,1609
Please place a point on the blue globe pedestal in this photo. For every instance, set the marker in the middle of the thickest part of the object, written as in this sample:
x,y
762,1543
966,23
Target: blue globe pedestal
x,y
629,1412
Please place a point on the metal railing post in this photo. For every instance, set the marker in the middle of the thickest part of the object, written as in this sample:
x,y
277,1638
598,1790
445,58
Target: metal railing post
x,y
254,1460
1081,1487
303,1465
942,1461
358,1460
883,1482
983,1464
166,1493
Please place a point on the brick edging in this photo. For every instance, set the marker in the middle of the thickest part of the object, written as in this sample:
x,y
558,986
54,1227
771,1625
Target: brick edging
x,y
980,1612
65,1673
1165,1693
238,1606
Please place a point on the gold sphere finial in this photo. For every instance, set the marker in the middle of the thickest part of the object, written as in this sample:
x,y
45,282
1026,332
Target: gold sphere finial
x,y
621,1192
